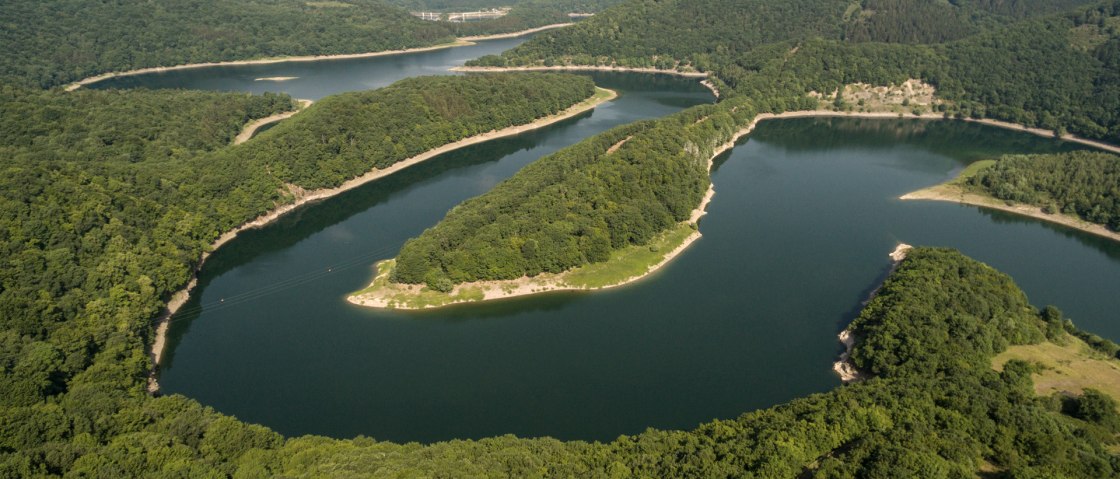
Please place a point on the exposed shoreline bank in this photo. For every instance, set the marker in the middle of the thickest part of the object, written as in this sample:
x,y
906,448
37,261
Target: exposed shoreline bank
x,y
587,68
843,366
519,33
491,290
251,129
263,61
707,83
543,283
955,194
602,95
459,42
941,116
524,286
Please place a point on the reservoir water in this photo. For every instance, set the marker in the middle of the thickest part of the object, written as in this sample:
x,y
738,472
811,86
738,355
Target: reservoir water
x,y
804,214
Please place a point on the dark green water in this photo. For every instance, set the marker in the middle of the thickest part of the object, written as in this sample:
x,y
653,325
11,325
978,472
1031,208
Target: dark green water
x,y
277,344
315,79
797,236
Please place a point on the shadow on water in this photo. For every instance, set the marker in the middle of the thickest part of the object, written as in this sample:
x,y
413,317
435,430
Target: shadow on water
x,y
314,217
503,308
964,141
1109,247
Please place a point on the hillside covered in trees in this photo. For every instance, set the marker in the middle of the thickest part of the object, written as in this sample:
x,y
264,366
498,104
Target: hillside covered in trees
x,y
1013,61
55,42
343,136
1085,184
109,197
936,411
51,43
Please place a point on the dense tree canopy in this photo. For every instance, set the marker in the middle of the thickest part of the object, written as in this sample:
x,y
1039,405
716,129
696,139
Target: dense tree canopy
x,y
344,135
1085,184
108,198
1013,61
53,42
574,207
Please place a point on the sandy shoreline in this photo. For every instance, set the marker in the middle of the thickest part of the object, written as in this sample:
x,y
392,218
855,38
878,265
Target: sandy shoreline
x,y
547,283
941,116
459,42
264,61
520,33
580,68
250,129
180,297
956,194
524,286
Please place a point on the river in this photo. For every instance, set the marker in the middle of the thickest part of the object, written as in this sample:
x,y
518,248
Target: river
x,y
804,214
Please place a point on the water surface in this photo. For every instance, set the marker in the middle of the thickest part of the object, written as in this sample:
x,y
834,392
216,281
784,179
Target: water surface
x,y
804,215
797,236
316,79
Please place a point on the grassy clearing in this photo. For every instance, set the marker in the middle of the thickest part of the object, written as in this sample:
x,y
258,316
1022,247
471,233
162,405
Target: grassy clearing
x,y
624,266
629,262
601,95
971,170
1069,367
413,296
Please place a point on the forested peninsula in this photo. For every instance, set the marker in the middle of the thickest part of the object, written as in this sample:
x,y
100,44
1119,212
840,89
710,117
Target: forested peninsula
x,y
625,188
1079,189
111,197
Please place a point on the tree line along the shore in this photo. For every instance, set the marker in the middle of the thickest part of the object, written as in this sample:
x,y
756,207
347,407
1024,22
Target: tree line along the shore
x,y
1013,61
110,197
1081,183
53,43
619,188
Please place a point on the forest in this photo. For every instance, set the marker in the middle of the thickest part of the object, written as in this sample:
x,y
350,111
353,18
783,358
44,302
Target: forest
x,y
109,198
343,136
54,42
1082,183
1012,61
618,188
934,409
